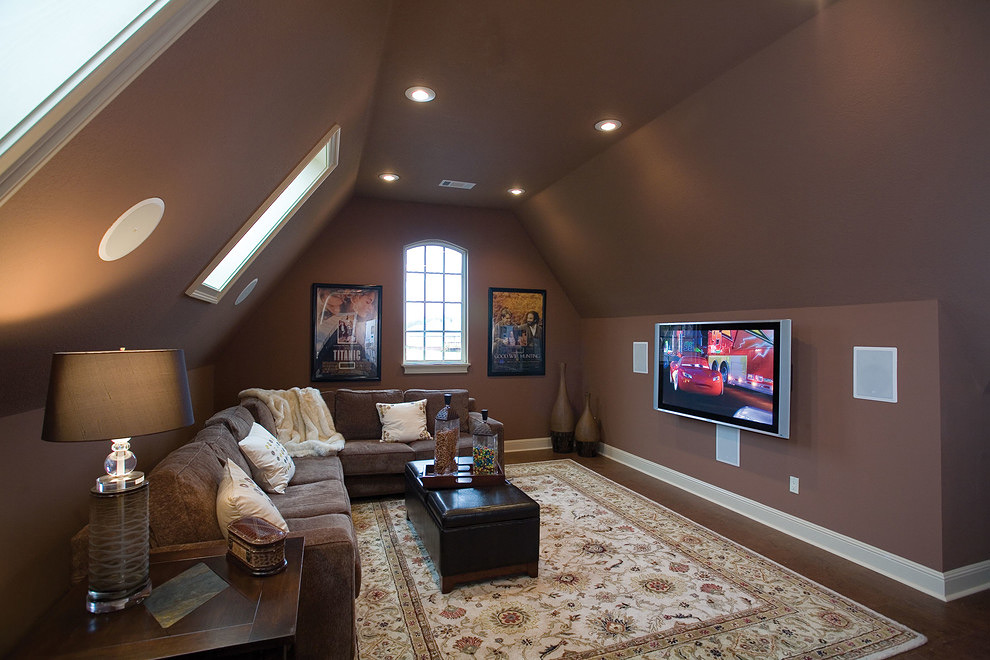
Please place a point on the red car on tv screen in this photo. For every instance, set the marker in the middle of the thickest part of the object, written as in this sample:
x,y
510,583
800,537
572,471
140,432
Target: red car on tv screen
x,y
693,374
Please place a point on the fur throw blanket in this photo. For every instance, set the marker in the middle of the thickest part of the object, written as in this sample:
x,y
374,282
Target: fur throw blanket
x,y
302,420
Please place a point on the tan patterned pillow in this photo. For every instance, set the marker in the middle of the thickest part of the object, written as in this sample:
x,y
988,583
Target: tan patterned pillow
x,y
239,497
403,422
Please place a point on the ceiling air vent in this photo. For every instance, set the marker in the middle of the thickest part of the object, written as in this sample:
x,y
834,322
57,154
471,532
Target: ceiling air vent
x,y
462,185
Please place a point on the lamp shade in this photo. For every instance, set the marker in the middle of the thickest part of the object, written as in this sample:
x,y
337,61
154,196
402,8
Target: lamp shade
x,y
104,395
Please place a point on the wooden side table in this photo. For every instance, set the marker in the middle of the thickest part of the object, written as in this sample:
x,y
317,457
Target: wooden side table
x,y
252,614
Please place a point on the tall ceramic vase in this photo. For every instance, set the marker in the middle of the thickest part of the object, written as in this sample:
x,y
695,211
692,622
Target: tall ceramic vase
x,y
562,418
586,433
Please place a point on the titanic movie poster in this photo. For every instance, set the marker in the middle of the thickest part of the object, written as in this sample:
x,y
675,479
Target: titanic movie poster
x,y
346,332
517,345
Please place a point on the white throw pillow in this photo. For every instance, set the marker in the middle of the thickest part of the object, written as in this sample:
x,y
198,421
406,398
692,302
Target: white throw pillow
x,y
239,497
271,465
403,422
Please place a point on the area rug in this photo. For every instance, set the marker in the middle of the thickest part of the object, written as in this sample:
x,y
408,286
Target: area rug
x,y
620,576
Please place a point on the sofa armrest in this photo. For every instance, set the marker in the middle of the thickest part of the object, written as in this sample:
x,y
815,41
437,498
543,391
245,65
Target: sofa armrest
x,y
496,427
326,624
79,549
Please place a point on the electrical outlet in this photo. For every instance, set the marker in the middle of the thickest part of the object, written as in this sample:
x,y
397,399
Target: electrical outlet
x,y
794,485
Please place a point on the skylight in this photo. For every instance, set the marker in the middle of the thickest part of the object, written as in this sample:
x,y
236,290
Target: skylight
x,y
268,220
64,60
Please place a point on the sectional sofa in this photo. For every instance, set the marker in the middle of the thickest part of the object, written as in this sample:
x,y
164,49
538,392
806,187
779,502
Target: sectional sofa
x,y
316,503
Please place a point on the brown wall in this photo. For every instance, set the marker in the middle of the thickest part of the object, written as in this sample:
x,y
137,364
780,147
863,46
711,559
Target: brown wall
x,y
868,470
212,127
363,245
47,486
844,164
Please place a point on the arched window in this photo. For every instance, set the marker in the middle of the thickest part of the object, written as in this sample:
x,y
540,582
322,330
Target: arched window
x,y
435,323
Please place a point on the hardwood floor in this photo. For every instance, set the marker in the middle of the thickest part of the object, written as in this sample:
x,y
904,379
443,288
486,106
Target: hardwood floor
x,y
958,630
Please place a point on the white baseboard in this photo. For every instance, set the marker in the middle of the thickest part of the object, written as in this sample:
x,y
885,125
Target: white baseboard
x,y
527,444
946,586
967,580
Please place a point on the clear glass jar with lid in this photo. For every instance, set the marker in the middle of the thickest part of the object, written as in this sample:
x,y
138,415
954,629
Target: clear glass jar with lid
x,y
485,447
447,429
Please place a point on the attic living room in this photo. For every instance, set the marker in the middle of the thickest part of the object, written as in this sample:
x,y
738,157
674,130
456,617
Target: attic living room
x,y
823,162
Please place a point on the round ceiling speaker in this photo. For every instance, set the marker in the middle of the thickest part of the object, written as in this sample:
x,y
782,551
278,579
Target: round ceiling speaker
x,y
131,229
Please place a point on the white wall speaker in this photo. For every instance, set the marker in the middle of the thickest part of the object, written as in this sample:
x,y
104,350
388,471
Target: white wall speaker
x,y
875,373
641,357
727,444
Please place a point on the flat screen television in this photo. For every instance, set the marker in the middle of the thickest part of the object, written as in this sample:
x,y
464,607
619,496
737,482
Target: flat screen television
x,y
736,373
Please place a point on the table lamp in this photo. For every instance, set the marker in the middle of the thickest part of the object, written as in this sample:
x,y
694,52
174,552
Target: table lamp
x,y
114,395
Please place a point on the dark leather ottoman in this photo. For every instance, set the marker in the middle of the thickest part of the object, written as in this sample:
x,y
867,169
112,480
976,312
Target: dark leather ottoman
x,y
474,533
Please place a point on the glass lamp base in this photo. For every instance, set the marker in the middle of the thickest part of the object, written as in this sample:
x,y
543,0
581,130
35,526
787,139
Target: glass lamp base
x,y
100,602
118,548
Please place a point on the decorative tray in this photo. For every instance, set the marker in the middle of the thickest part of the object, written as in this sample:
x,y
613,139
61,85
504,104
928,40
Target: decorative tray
x,y
463,478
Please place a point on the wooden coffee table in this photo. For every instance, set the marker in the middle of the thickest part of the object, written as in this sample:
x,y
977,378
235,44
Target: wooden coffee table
x,y
255,614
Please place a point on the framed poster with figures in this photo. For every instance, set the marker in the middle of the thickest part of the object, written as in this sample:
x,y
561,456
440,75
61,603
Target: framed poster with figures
x,y
346,336
517,327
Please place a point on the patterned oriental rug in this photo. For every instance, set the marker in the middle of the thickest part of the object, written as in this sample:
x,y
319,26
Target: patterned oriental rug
x,y
620,576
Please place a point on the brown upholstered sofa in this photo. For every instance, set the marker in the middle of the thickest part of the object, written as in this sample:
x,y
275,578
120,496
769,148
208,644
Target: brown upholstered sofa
x,y
377,468
316,504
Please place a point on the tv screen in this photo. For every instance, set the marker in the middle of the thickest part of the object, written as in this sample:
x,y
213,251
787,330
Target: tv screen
x,y
736,373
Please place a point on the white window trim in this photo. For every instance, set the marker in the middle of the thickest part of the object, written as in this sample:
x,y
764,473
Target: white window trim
x,y
40,135
433,367
199,289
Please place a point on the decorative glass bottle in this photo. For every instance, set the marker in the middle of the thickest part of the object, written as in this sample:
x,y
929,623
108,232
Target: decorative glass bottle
x,y
485,443
448,431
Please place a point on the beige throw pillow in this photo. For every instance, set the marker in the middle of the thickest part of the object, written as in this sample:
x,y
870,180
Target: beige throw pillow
x,y
403,422
271,466
239,497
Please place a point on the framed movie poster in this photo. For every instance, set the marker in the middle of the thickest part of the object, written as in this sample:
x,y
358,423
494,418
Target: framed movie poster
x,y
517,322
346,332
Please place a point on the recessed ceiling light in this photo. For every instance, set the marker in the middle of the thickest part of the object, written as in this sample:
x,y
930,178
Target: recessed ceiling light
x,y
420,94
516,191
608,125
131,229
388,176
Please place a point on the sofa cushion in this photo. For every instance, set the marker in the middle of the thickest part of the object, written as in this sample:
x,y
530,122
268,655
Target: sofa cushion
x,y
260,412
315,499
356,417
374,457
403,422
271,465
239,497
182,497
423,450
224,445
316,468
236,418
434,403
330,398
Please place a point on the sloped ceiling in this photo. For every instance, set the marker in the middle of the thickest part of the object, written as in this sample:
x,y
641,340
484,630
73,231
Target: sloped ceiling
x,y
520,84
217,122
211,127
